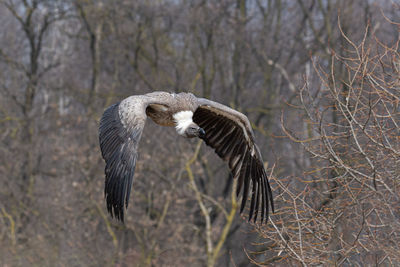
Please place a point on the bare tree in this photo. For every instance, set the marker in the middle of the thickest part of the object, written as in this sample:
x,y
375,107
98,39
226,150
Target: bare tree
x,y
63,62
345,210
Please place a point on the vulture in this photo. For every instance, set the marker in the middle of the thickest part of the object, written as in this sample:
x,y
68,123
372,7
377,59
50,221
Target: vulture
x,y
224,129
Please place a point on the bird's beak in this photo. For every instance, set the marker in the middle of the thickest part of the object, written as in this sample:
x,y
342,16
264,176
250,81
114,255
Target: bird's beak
x,y
202,133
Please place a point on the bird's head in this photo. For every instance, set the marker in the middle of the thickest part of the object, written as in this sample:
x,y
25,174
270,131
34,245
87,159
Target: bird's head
x,y
185,125
193,130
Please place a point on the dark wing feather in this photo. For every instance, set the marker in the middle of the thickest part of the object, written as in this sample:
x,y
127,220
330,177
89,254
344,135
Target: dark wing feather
x,y
229,133
118,143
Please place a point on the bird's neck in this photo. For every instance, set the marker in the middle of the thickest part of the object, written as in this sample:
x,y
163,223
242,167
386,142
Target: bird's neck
x,y
182,120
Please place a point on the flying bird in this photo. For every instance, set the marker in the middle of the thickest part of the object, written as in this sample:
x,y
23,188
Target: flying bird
x,y
224,129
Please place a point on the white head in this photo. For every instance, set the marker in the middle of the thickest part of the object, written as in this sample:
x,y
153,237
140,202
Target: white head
x,y
185,125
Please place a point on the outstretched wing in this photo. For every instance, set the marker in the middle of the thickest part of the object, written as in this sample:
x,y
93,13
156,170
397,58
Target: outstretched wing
x,y
229,133
120,130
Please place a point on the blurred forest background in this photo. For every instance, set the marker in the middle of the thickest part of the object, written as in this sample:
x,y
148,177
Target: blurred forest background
x,y
318,79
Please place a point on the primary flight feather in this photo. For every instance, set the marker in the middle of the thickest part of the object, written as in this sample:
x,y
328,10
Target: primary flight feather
x,y
226,130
